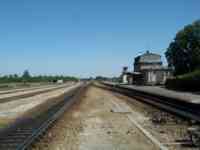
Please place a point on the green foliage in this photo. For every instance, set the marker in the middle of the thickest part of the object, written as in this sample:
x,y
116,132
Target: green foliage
x,y
113,79
101,78
189,81
183,54
26,77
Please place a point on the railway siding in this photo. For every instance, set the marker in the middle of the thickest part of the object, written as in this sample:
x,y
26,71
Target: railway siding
x,y
14,109
186,109
21,134
186,97
170,129
95,123
4,98
156,90
24,89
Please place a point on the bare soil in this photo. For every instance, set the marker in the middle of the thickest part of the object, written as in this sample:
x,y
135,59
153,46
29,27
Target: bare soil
x,y
94,123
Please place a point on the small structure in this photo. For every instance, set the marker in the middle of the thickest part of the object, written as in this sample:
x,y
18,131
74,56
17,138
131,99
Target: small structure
x,y
126,76
130,77
60,81
148,70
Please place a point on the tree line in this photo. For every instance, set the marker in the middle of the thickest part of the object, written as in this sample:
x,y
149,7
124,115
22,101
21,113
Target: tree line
x,y
26,77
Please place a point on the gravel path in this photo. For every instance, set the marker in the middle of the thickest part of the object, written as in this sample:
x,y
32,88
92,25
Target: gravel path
x,y
95,124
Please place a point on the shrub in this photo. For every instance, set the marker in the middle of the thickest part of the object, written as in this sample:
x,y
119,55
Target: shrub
x,y
189,82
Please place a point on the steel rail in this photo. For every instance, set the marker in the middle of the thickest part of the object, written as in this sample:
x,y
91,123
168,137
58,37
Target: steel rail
x,y
176,106
4,98
24,133
24,89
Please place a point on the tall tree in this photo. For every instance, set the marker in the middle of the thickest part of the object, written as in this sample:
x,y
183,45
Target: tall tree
x,y
26,75
183,53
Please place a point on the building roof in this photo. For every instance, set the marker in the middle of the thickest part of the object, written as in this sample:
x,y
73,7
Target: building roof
x,y
162,68
148,58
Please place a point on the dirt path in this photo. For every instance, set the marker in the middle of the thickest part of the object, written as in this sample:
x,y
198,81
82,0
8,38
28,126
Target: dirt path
x,y
95,124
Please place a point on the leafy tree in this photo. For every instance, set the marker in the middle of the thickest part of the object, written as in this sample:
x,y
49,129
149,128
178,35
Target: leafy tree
x,y
15,76
26,76
183,53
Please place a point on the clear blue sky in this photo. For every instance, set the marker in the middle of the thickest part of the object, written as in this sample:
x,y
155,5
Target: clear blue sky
x,y
86,37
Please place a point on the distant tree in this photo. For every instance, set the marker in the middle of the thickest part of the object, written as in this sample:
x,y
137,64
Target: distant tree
x,y
26,76
183,53
15,76
101,78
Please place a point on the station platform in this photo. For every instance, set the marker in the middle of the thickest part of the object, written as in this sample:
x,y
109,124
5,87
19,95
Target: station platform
x,y
161,91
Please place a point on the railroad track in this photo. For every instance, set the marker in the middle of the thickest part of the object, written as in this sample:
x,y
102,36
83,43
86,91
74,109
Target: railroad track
x,y
4,98
181,108
23,89
21,135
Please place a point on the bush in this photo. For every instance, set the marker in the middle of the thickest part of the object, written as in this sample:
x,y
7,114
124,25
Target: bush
x,y
22,79
189,82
